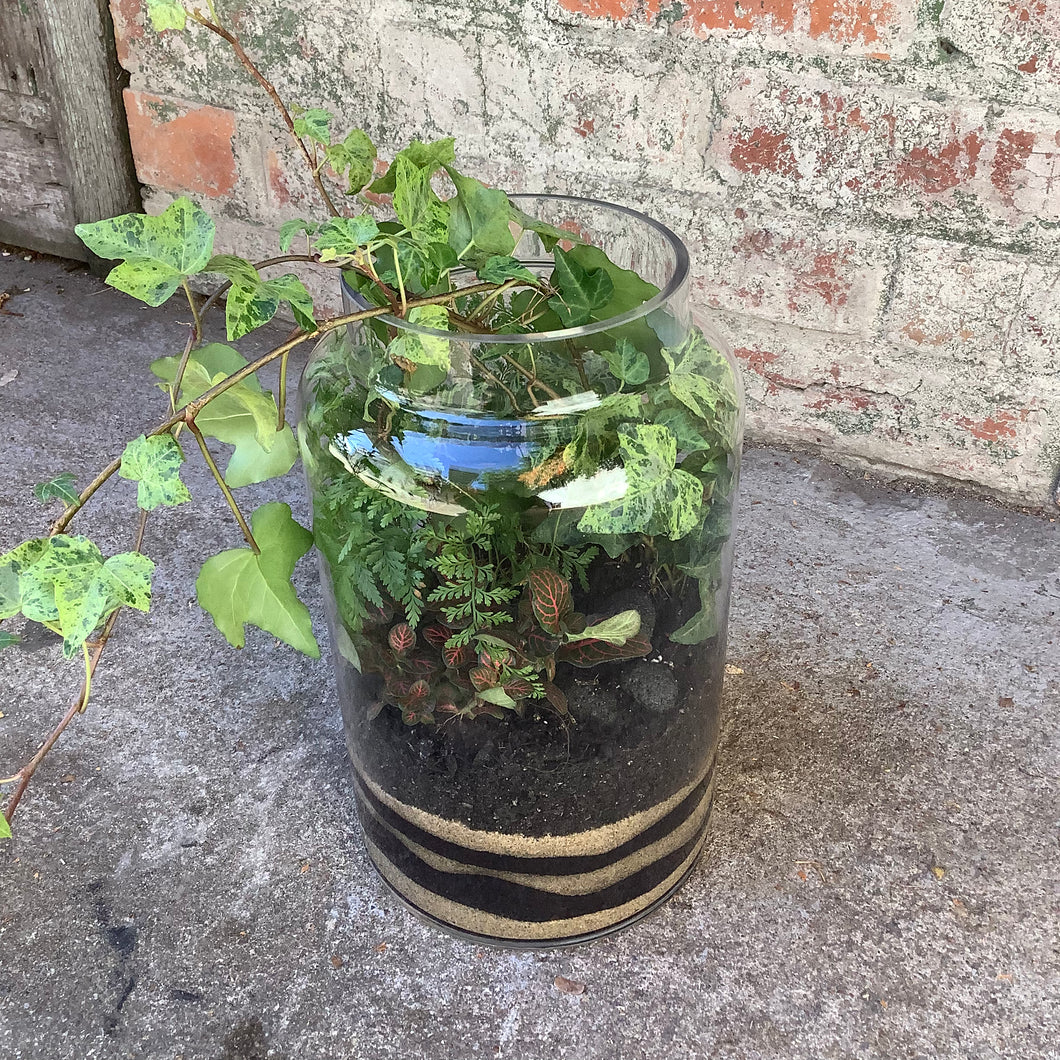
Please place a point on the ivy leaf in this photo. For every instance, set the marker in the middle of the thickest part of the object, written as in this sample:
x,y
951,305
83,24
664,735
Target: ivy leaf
x,y
478,218
549,233
423,349
586,653
60,488
615,630
430,156
244,416
238,587
683,427
353,159
627,363
342,237
550,598
12,564
5,828
500,268
312,124
252,301
167,14
8,640
628,290
158,252
154,463
417,206
659,497
289,229
580,292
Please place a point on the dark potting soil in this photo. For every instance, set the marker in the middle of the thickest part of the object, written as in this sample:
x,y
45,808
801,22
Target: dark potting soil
x,y
638,731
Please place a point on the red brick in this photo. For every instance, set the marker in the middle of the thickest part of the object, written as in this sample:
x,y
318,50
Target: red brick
x,y
780,268
1023,35
827,144
856,21
182,146
615,9
704,17
127,16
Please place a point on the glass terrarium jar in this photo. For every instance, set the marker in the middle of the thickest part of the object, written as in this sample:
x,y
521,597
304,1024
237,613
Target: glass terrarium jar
x,y
525,535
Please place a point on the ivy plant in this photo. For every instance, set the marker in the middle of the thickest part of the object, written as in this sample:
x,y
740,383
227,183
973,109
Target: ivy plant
x,y
461,591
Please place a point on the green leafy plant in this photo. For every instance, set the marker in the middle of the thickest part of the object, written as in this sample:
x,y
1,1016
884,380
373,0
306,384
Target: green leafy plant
x,y
458,590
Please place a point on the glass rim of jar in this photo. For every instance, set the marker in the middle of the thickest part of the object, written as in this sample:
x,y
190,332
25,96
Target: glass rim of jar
x,y
676,281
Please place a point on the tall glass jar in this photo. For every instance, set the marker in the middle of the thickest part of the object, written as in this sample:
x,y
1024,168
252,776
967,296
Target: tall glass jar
x,y
525,540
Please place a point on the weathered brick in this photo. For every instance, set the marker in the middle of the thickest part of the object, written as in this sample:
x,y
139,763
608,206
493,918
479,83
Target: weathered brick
x,y
877,403
127,16
786,269
182,146
1022,35
879,28
889,154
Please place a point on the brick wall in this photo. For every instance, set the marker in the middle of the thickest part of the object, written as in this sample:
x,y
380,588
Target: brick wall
x,y
870,188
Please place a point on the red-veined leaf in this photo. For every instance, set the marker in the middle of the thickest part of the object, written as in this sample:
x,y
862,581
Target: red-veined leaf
x,y
402,638
436,635
483,677
550,598
586,653
456,657
556,697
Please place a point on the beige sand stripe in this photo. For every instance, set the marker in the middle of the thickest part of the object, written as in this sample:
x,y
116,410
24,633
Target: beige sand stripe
x,y
583,883
469,919
595,841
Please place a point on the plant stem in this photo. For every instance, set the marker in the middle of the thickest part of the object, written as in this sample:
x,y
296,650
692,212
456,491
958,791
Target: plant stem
x,y
193,408
493,379
222,485
25,774
281,398
267,85
196,318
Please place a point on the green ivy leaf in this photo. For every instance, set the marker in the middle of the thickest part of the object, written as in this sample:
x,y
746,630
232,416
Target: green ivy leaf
x,y
549,233
238,587
313,124
627,363
342,237
684,428
60,488
8,640
478,218
289,229
628,290
245,416
430,156
424,349
154,463
499,267
353,159
167,14
12,564
659,497
158,252
580,292
5,828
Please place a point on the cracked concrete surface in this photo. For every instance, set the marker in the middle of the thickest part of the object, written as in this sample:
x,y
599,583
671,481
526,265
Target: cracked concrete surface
x,y
188,880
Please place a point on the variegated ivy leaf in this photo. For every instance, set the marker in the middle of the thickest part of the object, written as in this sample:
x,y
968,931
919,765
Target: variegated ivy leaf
x,y
253,301
159,252
64,583
154,463
289,229
312,124
353,159
423,349
167,14
342,237
659,497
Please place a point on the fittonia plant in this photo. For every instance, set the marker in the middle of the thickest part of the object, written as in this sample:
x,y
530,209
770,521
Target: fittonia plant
x,y
460,589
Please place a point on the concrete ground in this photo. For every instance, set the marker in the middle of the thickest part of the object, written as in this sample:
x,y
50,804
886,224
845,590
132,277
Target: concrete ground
x,y
188,878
